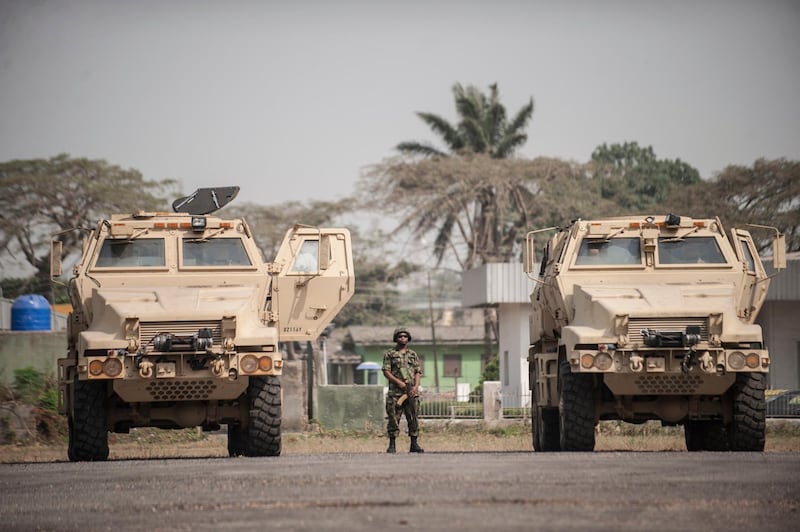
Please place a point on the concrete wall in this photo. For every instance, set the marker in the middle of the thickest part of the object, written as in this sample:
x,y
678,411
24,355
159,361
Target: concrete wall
x,y
294,409
514,323
349,407
36,349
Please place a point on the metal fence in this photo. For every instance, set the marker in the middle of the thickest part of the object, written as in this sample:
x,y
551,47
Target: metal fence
x,y
783,403
449,405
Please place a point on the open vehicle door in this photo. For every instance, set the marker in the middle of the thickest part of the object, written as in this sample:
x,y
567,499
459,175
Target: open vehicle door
x,y
754,290
313,278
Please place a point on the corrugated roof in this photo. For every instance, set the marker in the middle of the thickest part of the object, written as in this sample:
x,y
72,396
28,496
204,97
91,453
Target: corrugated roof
x,y
451,334
785,286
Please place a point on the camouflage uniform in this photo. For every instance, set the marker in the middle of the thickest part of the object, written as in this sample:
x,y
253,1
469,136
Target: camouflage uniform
x,y
404,366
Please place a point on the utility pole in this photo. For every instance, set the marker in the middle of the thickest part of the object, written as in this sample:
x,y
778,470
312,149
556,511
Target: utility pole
x,y
433,336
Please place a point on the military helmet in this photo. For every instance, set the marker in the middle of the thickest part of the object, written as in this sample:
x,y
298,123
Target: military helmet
x,y
401,330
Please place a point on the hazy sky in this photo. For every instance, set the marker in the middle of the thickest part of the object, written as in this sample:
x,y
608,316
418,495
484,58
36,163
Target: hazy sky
x,y
290,100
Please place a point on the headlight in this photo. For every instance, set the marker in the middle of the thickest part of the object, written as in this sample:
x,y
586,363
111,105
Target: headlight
x,y
248,364
112,367
752,360
603,361
736,360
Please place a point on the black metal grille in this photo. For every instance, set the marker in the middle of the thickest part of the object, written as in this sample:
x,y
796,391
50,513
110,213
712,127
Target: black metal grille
x,y
185,329
635,326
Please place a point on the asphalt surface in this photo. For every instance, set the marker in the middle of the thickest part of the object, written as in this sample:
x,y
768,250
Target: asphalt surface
x,y
434,491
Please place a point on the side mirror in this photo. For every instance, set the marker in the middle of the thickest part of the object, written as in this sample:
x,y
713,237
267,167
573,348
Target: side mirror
x,y
529,254
779,251
56,248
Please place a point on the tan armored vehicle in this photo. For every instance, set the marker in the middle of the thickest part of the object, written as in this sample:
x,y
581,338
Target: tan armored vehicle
x,y
177,321
648,318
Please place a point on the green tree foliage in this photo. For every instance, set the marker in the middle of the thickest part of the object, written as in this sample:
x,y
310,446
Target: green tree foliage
x,y
13,287
376,298
483,126
635,180
766,193
41,197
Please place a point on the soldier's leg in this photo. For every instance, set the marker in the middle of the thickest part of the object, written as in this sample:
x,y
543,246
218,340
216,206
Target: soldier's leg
x,y
413,425
392,422
410,411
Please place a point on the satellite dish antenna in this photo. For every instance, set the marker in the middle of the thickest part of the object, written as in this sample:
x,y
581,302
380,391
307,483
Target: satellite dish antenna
x,y
205,200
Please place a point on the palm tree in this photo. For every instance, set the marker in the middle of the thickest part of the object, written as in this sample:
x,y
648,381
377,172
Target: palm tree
x,y
457,189
464,189
483,127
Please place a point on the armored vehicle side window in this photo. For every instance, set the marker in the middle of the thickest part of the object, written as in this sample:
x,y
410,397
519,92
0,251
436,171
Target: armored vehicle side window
x,y
214,252
306,260
613,252
748,256
694,250
140,253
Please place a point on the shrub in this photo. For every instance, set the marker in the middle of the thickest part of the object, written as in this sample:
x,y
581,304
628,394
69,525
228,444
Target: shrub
x,y
31,386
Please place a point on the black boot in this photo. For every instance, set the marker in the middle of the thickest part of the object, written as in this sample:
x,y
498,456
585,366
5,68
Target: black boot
x,y
391,448
414,447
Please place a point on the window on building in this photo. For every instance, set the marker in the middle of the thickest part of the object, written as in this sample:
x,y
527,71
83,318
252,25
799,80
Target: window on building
x,y
452,365
421,363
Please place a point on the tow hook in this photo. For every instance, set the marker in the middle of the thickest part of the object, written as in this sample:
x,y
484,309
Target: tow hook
x,y
637,363
706,362
218,368
146,369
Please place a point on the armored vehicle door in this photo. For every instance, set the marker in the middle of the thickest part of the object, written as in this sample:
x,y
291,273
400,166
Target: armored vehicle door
x,y
753,291
313,278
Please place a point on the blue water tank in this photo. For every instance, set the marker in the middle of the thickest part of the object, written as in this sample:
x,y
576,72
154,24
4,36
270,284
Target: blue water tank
x,y
30,312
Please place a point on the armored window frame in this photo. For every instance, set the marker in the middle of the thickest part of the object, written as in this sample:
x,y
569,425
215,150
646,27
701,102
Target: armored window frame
x,y
688,251
227,256
618,252
131,254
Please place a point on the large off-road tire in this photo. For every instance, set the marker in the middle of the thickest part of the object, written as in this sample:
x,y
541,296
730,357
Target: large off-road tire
x,y
705,435
747,430
88,435
545,430
263,435
575,410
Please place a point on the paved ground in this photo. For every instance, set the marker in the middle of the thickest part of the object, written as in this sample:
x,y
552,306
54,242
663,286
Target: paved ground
x,y
434,491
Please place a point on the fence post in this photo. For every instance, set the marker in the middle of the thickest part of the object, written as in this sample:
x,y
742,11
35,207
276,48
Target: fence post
x,y
492,402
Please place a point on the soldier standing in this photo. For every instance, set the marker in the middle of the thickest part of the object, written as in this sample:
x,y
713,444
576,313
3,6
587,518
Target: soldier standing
x,y
401,369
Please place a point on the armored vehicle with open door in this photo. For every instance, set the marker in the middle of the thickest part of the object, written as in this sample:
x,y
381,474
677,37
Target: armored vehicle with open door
x,y
177,320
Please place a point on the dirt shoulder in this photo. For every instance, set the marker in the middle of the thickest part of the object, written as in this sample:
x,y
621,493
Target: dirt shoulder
x,y
782,436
